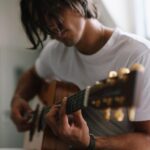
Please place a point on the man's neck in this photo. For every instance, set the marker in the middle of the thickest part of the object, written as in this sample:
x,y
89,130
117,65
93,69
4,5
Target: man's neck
x,y
94,37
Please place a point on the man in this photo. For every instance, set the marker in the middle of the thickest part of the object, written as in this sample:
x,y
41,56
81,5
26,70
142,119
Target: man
x,y
83,52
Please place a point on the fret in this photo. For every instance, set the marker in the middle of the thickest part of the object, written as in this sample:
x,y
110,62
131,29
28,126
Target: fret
x,y
75,102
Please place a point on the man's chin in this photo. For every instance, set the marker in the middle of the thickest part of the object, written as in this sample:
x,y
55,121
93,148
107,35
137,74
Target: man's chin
x,y
69,43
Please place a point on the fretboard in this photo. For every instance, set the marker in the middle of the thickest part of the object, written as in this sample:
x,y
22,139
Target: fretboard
x,y
75,102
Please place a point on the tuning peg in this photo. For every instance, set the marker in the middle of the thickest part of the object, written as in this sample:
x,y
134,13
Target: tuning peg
x,y
131,113
107,101
96,103
137,67
119,100
111,77
122,72
107,114
112,74
99,84
119,114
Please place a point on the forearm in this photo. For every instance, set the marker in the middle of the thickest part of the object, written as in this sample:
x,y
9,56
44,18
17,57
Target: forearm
x,y
132,141
28,86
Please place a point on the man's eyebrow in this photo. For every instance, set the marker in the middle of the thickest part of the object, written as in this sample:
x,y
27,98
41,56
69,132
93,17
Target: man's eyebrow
x,y
53,28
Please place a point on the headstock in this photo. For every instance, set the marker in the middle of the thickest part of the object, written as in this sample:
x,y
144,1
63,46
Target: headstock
x,y
115,92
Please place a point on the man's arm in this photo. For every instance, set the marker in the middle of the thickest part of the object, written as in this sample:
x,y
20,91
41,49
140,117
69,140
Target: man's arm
x,y
77,134
138,140
28,86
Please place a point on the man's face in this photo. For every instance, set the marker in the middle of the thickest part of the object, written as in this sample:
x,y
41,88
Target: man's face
x,y
71,30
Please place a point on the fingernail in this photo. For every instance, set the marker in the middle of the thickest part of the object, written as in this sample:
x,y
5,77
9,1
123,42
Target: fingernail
x,y
64,100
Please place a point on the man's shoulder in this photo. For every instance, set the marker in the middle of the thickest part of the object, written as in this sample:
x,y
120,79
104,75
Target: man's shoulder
x,y
52,44
133,44
55,46
52,47
134,39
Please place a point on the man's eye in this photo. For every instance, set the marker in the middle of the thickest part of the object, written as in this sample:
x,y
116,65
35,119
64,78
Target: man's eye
x,y
52,36
55,31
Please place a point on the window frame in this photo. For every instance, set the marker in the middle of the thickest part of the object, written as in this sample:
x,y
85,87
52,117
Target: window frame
x,y
146,4
140,18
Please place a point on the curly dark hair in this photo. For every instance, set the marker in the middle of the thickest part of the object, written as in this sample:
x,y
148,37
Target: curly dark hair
x,y
33,13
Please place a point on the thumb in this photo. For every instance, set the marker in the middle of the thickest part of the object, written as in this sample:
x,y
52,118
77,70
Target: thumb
x,y
27,107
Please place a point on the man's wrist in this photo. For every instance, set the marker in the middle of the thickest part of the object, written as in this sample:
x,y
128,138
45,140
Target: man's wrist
x,y
92,143
16,98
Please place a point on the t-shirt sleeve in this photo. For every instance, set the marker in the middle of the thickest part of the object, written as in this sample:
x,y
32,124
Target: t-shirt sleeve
x,y
43,63
143,108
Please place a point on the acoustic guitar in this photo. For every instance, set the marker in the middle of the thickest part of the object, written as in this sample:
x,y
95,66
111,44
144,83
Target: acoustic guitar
x,y
115,92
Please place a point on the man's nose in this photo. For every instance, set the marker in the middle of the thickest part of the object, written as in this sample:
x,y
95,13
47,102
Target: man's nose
x,y
55,36
59,36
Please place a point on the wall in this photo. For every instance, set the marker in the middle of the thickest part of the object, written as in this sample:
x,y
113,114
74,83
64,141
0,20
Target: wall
x,y
13,56
104,15
122,13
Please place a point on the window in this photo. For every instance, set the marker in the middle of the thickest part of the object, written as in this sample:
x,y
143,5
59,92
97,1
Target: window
x,y
147,17
142,17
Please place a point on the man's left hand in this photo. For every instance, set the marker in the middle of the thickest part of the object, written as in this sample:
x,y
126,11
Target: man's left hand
x,y
75,133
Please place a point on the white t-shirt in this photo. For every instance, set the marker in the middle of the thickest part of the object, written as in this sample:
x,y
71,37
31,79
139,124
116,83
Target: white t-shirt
x,y
122,50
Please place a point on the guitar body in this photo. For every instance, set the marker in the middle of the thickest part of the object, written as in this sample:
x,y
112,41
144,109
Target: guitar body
x,y
51,94
51,142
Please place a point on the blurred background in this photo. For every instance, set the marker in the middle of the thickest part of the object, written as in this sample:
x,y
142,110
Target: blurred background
x,y
130,15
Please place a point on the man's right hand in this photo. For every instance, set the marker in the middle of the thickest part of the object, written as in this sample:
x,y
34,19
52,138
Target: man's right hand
x,y
21,113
